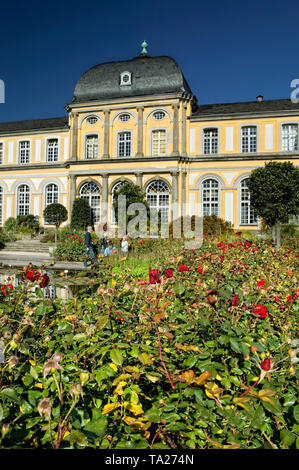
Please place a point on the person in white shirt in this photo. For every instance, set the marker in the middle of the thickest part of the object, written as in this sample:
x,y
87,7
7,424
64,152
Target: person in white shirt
x,y
124,246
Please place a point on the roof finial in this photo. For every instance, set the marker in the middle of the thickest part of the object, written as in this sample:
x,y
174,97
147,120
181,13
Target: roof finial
x,y
144,47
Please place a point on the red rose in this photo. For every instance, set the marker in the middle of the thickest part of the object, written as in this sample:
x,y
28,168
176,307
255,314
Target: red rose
x,y
289,298
260,283
260,310
220,244
248,243
238,233
183,267
154,276
276,299
32,275
168,273
201,270
235,301
266,364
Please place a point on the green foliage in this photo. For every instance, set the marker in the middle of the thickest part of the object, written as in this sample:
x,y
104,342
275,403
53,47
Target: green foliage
x,y
81,214
212,225
22,224
273,194
55,214
10,224
106,385
134,194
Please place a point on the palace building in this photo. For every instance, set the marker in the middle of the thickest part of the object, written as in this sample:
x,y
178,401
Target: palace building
x,y
138,120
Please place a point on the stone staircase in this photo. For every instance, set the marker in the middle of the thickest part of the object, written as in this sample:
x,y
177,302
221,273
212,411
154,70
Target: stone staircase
x,y
26,246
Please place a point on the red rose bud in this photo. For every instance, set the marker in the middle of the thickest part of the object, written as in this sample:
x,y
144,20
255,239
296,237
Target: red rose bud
x,y
266,364
183,267
235,301
261,283
168,273
154,276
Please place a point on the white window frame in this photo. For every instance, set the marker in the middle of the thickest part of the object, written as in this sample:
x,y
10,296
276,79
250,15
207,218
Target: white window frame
x,y
115,187
2,146
86,137
125,74
47,148
26,204
281,128
246,126
160,195
28,151
210,139
96,209
159,129
243,203
210,202
53,193
130,141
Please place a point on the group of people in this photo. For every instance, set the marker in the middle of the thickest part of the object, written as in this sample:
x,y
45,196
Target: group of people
x,y
107,248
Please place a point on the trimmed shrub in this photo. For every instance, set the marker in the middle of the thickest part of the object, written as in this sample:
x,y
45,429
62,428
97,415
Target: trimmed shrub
x,y
81,214
212,225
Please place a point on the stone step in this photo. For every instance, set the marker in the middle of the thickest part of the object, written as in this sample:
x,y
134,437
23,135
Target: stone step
x,y
34,247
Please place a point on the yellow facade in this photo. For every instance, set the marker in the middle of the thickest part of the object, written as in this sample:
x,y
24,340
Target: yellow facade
x,y
180,136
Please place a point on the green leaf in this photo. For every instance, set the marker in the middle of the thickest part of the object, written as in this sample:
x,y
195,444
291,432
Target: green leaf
x,y
274,407
1,413
258,418
234,345
78,437
39,292
102,321
296,413
117,356
11,394
153,415
287,437
97,427
34,373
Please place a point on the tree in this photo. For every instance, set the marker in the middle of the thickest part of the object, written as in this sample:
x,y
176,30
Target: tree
x,y
134,195
274,194
81,214
55,214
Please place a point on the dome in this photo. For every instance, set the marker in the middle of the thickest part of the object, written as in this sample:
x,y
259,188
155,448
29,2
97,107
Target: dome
x,y
141,76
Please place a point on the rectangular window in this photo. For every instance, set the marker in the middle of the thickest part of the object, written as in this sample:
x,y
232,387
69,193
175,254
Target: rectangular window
x,y
210,141
1,153
92,147
247,214
289,137
24,151
52,150
124,144
159,142
249,139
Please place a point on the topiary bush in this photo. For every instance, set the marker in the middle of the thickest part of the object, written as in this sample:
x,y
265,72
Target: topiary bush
x,y
81,214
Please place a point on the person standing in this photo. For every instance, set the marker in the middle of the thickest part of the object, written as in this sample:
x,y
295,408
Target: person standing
x,y
124,245
89,251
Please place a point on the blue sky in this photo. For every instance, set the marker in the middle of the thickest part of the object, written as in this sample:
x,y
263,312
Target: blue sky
x,y
228,50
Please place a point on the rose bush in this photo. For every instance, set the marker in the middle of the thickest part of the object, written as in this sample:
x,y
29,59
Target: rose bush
x,y
175,358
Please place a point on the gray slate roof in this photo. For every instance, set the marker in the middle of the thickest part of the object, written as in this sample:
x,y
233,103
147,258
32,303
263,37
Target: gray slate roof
x,y
245,107
34,125
150,76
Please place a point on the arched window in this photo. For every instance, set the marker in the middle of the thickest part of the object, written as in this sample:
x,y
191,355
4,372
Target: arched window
x,y
91,192
247,214
91,147
23,200
51,194
157,196
210,141
114,189
158,142
289,137
124,144
1,205
210,197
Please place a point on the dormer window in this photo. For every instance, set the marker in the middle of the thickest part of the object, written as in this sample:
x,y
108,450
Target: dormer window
x,y
125,78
